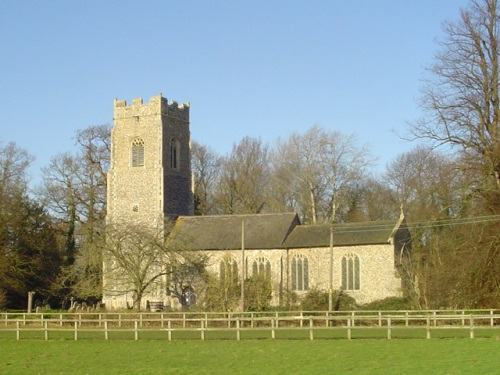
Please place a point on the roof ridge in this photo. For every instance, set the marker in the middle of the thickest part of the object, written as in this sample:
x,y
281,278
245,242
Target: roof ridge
x,y
236,215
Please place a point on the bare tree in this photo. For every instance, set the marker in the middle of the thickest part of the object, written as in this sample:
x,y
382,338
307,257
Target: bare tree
x,y
60,193
224,290
74,186
426,183
94,153
461,98
242,188
298,167
139,259
74,190
379,202
14,162
319,168
205,164
344,166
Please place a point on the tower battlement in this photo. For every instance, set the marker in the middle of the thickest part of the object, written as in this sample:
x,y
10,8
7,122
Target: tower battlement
x,y
158,105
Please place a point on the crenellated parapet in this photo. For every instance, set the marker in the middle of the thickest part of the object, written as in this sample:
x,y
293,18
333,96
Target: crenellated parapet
x,y
158,105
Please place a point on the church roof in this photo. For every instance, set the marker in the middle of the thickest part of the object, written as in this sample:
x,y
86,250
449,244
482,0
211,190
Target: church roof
x,y
223,232
274,231
367,233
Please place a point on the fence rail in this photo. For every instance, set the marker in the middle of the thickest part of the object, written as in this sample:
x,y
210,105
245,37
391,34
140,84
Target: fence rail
x,y
232,325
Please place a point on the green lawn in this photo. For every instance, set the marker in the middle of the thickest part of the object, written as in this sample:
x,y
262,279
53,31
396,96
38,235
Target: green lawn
x,y
361,356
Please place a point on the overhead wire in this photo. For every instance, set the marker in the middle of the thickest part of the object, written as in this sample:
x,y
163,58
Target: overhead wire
x,y
419,224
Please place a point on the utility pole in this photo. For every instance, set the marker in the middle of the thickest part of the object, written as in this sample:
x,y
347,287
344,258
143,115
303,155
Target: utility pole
x,y
330,290
243,266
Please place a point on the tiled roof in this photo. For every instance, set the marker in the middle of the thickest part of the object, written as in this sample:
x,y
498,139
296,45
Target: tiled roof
x,y
375,232
223,232
274,231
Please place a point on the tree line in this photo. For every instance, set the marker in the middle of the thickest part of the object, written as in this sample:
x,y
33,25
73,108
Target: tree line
x,y
51,236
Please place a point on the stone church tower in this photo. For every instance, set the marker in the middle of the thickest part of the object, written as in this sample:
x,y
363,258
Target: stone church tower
x,y
150,172
149,180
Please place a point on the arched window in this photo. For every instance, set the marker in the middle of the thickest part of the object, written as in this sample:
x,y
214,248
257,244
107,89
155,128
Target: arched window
x,y
350,272
138,152
300,272
261,267
174,154
228,271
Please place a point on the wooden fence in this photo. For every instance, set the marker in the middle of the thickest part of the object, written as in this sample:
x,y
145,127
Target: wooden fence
x,y
234,325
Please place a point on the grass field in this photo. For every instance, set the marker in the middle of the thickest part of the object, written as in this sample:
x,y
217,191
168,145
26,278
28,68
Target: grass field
x,y
362,356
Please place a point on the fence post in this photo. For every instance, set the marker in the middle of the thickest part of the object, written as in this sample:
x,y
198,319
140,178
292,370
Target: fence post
x,y
162,322
238,334
311,325
60,320
76,330
349,333
352,314
273,334
406,318
428,327
169,328
41,320
136,332
46,330
491,319
18,330
380,318
389,331
202,329
471,319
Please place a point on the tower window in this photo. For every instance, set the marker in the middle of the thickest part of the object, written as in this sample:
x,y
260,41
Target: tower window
x,y
138,152
174,154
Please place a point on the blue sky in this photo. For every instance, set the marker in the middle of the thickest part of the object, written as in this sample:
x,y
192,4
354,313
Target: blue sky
x,y
249,68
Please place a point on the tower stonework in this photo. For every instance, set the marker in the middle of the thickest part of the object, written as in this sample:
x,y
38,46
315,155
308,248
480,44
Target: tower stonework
x,y
150,172
149,181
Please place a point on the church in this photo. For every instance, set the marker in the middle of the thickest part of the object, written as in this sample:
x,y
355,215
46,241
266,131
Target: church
x,y
150,181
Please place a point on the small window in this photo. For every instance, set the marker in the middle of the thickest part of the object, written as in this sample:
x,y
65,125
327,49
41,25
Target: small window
x,y
138,152
300,272
174,154
350,272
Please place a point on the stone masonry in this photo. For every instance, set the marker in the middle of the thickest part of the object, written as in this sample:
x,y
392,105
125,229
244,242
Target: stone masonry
x,y
150,193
